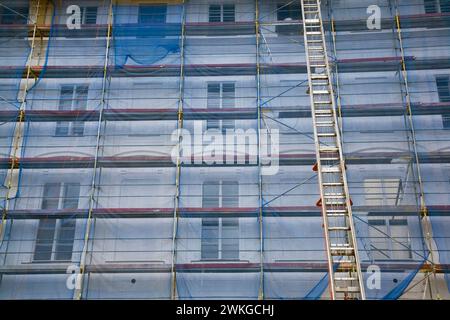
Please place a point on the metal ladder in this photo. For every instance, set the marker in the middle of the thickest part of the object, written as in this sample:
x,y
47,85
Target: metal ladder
x,y
345,278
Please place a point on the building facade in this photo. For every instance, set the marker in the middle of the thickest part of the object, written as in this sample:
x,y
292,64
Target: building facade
x,y
156,150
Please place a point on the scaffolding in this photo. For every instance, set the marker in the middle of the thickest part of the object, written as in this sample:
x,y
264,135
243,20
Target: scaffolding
x,y
109,193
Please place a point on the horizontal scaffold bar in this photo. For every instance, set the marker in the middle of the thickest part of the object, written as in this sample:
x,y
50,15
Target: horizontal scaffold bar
x,y
195,70
361,110
430,20
201,267
285,211
66,162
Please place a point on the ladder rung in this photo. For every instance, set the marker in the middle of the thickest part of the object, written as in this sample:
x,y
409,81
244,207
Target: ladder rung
x,y
334,195
347,289
324,123
321,92
334,203
341,248
339,245
345,263
326,134
323,115
331,197
328,149
341,252
324,111
331,170
339,228
337,211
332,184
322,102
319,76
335,215
345,279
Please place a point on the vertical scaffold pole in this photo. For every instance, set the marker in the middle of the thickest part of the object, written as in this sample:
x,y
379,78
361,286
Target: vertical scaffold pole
x,y
17,138
426,224
78,292
260,198
173,293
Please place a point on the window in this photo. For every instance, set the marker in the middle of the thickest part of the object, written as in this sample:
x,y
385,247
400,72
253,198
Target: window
x,y
220,238
445,121
443,88
222,13
220,95
289,11
220,194
72,97
211,195
379,192
152,13
445,6
44,239
389,239
230,194
430,6
89,15
55,237
15,15
436,6
60,196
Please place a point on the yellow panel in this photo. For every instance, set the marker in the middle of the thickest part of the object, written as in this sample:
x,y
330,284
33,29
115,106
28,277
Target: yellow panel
x,y
44,13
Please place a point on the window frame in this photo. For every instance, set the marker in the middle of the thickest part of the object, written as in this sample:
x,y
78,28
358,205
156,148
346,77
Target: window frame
x,y
85,15
72,128
442,88
221,124
152,18
290,8
225,12
220,197
58,241
219,242
436,6
16,19
383,198
389,249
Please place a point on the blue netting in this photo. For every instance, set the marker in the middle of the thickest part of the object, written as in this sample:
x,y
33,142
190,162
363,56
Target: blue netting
x,y
393,258
145,43
220,246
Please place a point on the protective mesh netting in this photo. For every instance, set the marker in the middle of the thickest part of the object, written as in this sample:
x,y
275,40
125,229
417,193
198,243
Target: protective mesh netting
x,y
97,185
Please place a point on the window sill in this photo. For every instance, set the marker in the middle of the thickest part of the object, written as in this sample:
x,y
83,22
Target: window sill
x,y
220,261
48,261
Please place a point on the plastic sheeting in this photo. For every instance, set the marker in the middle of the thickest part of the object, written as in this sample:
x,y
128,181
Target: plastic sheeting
x,y
100,134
